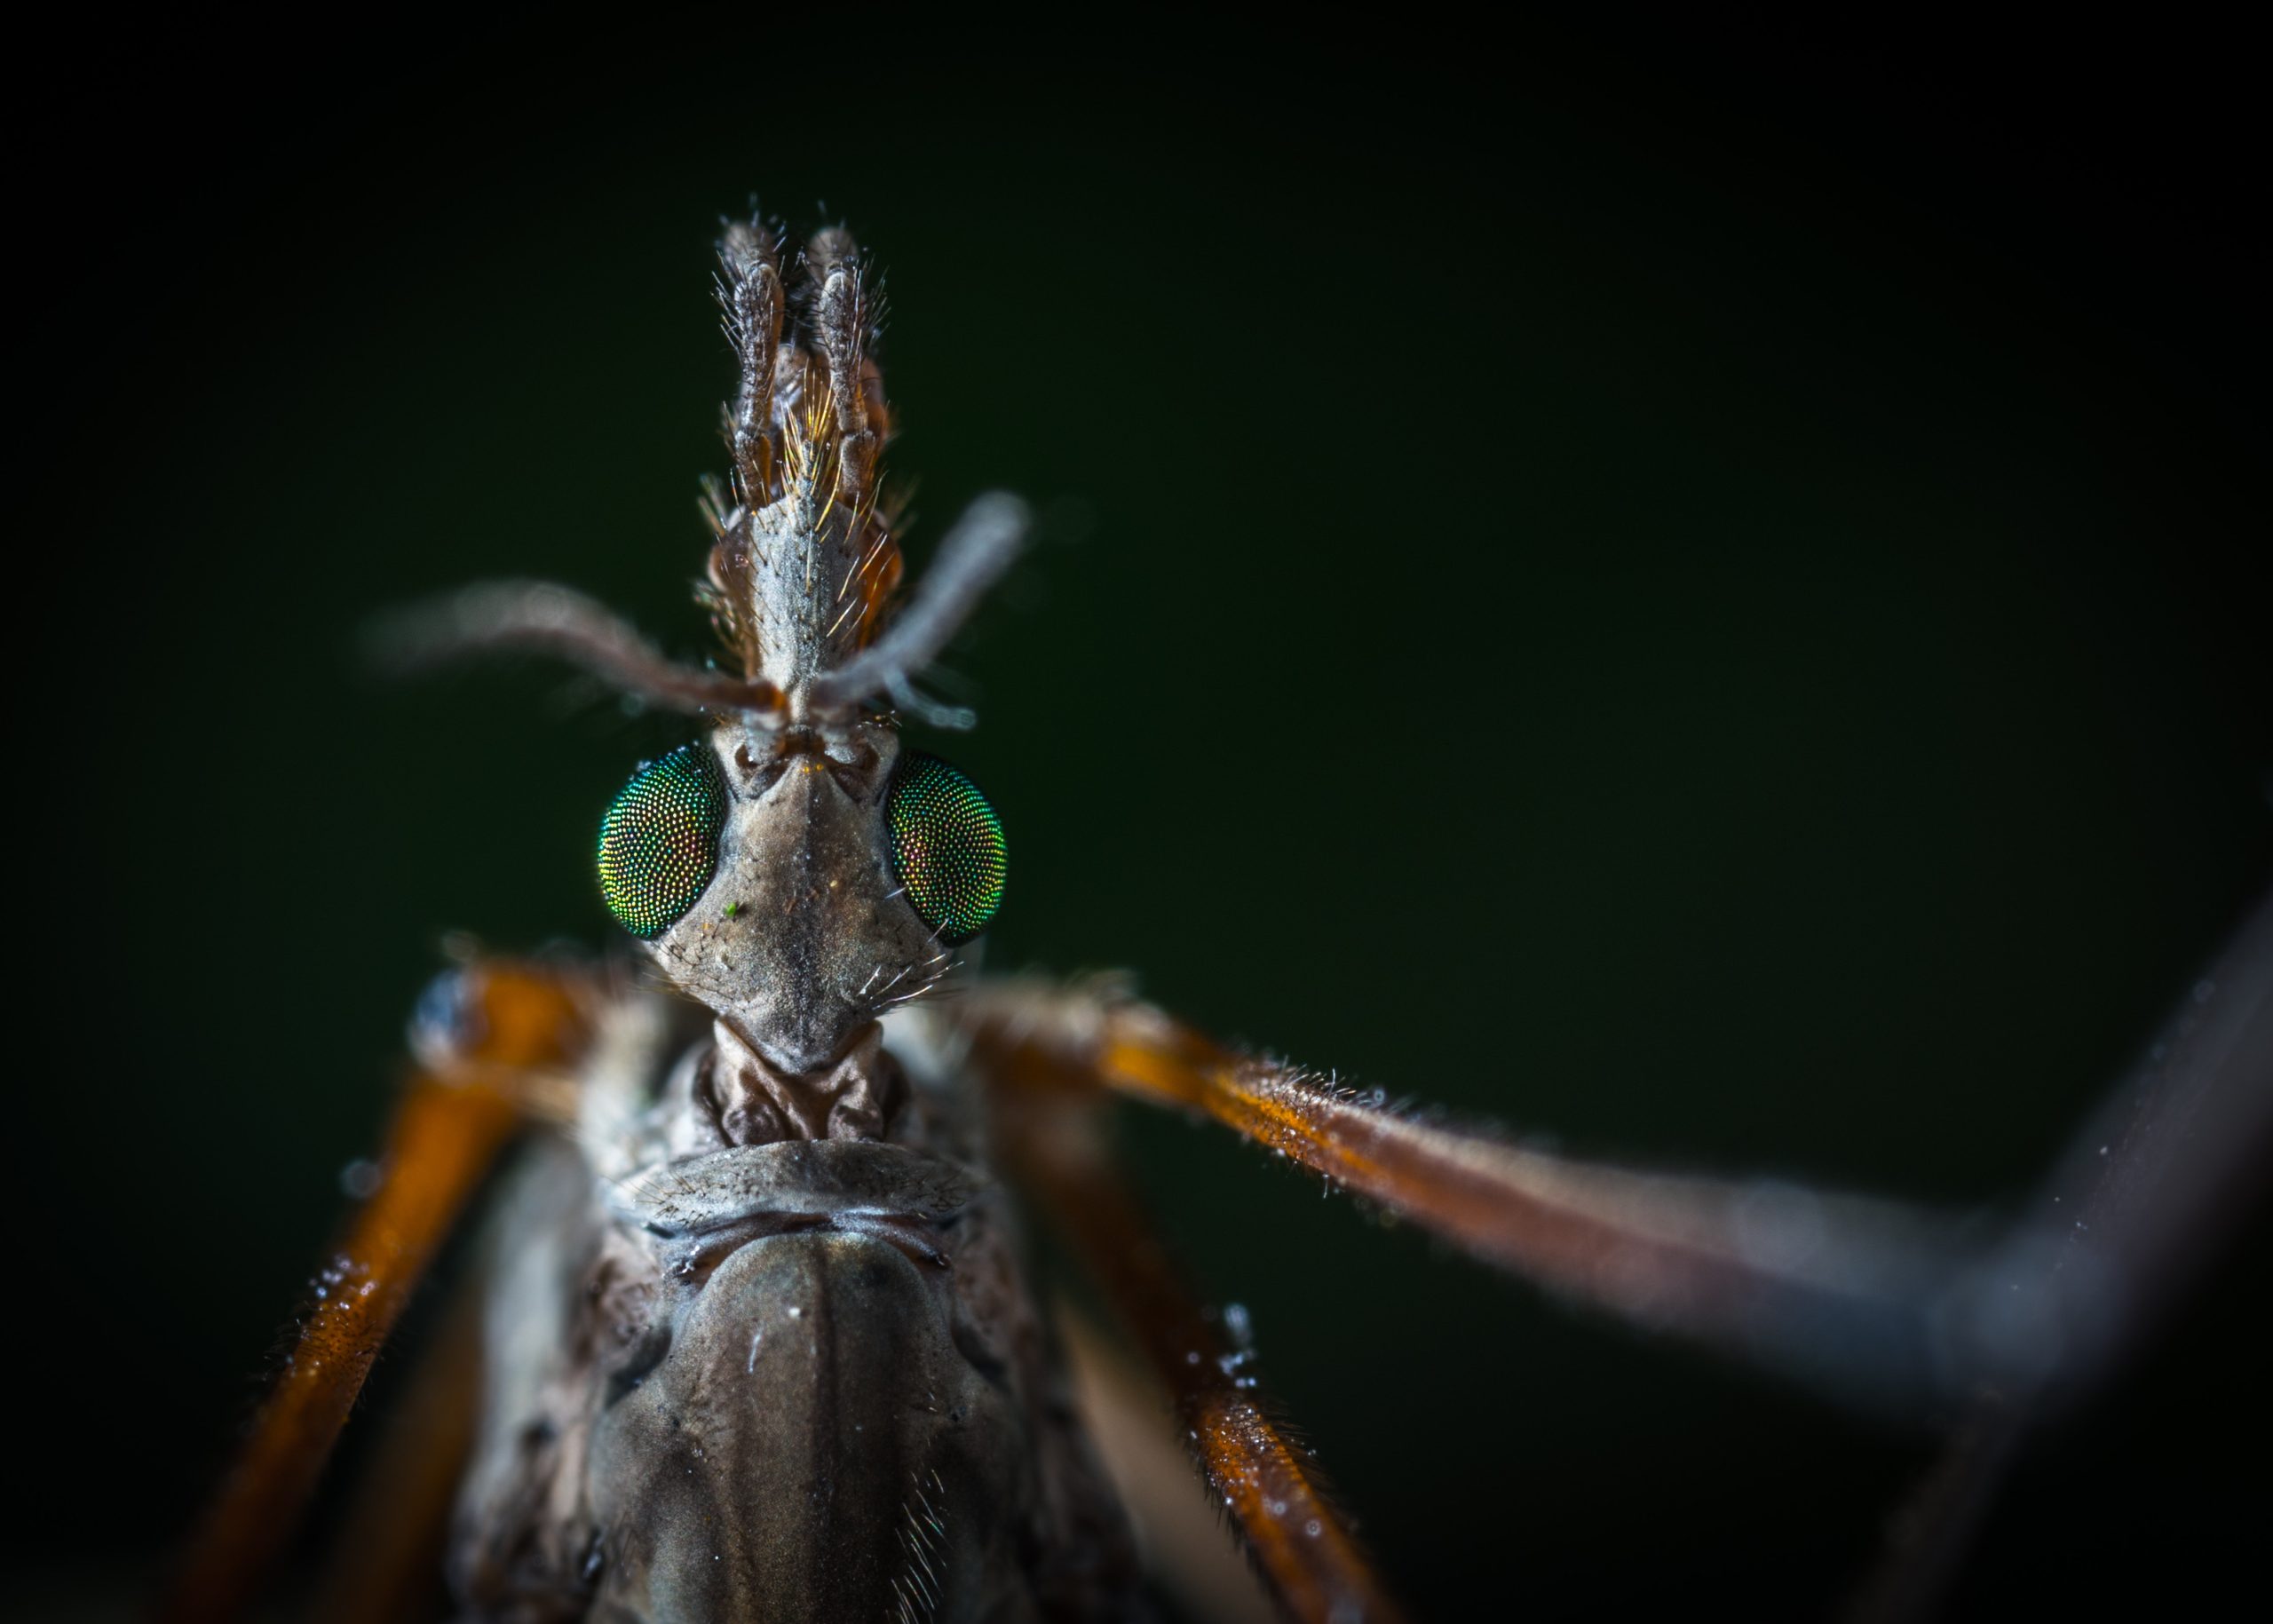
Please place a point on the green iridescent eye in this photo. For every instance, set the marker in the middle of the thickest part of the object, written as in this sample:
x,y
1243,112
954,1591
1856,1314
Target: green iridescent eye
x,y
658,842
947,846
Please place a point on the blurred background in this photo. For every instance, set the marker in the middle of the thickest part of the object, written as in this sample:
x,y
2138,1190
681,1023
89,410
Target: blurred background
x,y
1688,599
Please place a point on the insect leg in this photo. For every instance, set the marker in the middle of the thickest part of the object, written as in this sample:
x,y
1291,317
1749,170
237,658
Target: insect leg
x,y
1055,1142
384,1567
1869,1299
1123,1410
2159,1175
1837,1289
506,1025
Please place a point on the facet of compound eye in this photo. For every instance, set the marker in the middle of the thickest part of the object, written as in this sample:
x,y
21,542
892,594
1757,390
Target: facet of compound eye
x,y
947,847
658,842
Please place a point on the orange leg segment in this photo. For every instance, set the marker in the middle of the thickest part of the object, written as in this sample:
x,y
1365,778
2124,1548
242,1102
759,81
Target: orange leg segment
x,y
1835,1288
387,1564
512,1023
1056,1143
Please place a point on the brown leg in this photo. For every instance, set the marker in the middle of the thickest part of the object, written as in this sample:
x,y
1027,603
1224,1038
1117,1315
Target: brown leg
x,y
1837,1289
1143,1447
386,1564
513,1023
1054,1141
2161,1175
1865,1298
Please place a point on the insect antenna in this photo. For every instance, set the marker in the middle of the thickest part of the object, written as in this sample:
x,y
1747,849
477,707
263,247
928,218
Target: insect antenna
x,y
981,546
538,617
803,561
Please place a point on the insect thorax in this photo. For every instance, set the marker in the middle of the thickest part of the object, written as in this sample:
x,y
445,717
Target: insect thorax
x,y
800,1380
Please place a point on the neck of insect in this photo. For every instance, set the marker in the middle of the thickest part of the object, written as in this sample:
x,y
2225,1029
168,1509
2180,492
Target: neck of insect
x,y
748,1100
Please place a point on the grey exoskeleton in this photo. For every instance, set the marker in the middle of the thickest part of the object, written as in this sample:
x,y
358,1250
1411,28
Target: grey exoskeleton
x,y
760,1345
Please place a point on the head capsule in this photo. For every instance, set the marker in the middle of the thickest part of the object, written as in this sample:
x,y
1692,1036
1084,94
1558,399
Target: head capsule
x,y
801,880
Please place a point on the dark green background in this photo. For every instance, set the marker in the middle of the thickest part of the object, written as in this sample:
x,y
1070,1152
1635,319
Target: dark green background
x,y
1692,604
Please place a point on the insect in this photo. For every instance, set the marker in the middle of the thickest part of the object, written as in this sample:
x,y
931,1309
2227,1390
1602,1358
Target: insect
x,y
767,1243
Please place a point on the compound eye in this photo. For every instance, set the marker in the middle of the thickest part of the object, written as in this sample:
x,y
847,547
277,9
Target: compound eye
x,y
946,847
658,842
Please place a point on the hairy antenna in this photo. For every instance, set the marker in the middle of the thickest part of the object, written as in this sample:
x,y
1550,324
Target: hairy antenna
x,y
539,617
976,552
804,563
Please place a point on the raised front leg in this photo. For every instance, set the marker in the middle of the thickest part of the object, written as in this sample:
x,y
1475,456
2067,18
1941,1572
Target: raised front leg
x,y
1836,1289
1870,1299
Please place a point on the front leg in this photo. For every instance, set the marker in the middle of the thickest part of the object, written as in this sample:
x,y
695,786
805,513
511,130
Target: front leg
x,y
1872,1300
1838,1289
